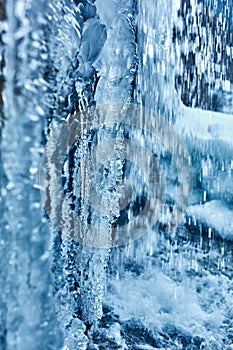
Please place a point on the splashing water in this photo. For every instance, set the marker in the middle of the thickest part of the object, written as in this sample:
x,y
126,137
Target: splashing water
x,y
73,275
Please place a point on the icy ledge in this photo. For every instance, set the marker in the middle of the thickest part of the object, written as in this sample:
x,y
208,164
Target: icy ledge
x,y
214,215
205,125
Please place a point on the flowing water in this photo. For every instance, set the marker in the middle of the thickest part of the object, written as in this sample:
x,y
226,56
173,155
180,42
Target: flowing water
x,y
76,271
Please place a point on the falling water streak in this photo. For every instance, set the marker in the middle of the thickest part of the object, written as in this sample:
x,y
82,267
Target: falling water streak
x,y
157,60
156,69
202,36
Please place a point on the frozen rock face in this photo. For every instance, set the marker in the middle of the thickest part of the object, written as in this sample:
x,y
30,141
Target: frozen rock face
x,y
85,78
79,41
53,67
79,271
50,53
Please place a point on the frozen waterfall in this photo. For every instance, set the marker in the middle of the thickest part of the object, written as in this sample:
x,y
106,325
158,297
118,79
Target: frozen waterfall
x,y
116,174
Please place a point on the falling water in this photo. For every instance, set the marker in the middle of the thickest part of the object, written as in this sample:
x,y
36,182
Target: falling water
x,y
74,71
